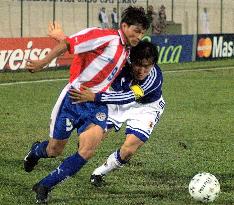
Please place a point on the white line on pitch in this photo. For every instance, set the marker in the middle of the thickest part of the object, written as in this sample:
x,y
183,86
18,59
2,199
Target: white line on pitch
x,y
198,69
35,81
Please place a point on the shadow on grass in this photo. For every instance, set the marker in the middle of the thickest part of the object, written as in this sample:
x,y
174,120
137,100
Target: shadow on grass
x,y
228,181
17,165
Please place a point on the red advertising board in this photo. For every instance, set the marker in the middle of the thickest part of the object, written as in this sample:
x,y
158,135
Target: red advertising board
x,y
15,51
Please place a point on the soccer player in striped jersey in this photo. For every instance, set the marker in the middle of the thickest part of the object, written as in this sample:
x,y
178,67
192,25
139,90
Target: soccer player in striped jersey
x,y
136,99
99,55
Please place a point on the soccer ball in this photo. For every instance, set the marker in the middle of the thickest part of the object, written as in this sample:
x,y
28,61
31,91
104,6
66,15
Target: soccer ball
x,y
204,187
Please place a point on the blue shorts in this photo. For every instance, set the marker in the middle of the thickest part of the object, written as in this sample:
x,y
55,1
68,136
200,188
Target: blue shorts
x,y
66,117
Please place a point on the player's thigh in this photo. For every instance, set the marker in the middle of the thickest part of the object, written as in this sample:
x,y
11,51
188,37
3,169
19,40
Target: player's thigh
x,y
89,140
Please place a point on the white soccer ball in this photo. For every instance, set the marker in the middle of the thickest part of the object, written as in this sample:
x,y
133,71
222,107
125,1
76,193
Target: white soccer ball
x,y
204,187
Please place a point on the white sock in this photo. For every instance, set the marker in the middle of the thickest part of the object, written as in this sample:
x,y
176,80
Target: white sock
x,y
111,164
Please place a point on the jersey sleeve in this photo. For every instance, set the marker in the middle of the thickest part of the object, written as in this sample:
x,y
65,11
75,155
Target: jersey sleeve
x,y
134,93
89,39
115,97
153,82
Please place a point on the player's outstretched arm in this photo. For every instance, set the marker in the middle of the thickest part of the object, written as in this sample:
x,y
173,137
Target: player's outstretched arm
x,y
36,65
112,97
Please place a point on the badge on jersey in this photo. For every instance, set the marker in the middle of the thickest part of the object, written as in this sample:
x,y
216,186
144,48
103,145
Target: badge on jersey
x,y
101,116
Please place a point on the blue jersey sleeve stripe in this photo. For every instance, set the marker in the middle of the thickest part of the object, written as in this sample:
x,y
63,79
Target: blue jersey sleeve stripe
x,y
118,95
151,82
150,79
155,88
118,98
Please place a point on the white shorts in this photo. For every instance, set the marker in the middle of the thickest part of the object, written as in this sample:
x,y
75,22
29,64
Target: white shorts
x,y
140,118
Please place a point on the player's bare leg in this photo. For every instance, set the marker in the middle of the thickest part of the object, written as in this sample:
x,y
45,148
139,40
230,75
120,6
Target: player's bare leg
x,y
88,142
45,149
55,147
117,159
130,146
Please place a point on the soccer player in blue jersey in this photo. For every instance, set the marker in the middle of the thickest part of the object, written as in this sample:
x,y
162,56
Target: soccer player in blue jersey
x,y
136,99
99,55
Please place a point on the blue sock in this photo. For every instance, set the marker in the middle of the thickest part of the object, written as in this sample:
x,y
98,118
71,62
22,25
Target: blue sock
x,y
39,150
119,158
69,167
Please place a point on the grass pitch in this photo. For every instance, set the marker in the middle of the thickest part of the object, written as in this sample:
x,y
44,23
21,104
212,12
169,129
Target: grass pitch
x,y
196,133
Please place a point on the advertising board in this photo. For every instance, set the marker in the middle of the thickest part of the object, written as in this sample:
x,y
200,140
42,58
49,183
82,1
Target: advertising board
x,y
214,47
173,48
14,52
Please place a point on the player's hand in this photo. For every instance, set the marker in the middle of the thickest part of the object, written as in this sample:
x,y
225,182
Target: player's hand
x,y
55,31
35,65
84,95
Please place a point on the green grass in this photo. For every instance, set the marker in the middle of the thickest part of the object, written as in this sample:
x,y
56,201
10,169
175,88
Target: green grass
x,y
196,133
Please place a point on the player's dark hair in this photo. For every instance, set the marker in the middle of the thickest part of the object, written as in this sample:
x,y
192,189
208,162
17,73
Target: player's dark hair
x,y
135,16
143,50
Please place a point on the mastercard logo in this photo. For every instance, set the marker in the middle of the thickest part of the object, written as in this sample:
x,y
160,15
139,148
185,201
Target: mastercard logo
x,y
204,47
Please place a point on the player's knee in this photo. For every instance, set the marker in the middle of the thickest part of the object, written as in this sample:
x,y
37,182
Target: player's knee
x,y
86,153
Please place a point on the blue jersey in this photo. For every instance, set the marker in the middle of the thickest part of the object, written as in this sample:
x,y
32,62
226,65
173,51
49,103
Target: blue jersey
x,y
126,90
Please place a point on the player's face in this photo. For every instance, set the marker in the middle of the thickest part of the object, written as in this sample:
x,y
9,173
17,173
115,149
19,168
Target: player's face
x,y
141,71
133,33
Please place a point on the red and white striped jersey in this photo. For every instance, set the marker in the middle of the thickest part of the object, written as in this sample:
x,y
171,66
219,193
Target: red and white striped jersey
x,y
99,56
